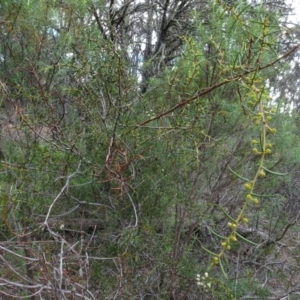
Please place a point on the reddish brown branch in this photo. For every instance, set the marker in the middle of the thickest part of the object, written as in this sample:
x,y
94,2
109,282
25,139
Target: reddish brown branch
x,y
215,86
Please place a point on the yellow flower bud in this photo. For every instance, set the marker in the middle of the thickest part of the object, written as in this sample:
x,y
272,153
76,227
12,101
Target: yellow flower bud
x,y
268,151
249,197
248,186
216,260
233,238
262,173
245,220
255,201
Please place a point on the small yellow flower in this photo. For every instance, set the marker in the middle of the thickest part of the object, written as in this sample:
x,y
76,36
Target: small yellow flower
x,y
245,220
268,151
262,173
255,201
248,186
233,238
249,197
216,260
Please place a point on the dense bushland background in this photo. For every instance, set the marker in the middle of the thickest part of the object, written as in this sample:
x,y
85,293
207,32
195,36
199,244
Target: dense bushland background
x,y
127,130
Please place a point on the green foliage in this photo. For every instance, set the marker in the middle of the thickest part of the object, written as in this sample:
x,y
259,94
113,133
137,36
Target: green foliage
x,y
139,192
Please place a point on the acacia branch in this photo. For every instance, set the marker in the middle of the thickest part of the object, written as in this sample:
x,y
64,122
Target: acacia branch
x,y
215,86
